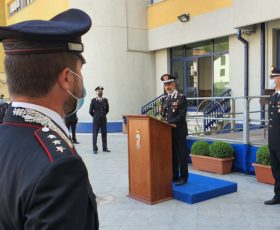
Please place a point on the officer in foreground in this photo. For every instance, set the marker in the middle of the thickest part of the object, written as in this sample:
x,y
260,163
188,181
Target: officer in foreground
x,y
173,110
99,107
274,135
44,183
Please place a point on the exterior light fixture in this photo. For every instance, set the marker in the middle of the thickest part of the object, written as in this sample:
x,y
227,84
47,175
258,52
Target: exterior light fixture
x,y
184,17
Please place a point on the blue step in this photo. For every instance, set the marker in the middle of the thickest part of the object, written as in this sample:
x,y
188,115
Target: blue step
x,y
200,188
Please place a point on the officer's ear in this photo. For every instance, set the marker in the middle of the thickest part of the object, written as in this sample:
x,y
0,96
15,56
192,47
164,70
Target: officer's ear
x,y
65,79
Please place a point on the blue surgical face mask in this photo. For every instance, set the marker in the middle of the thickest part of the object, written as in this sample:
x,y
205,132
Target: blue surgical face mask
x,y
80,101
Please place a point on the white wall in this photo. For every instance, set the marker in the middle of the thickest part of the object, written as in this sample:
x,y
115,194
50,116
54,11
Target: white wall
x,y
116,50
236,57
203,27
248,12
162,67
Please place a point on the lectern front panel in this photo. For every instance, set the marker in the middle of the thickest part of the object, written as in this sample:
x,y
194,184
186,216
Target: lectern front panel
x,y
139,158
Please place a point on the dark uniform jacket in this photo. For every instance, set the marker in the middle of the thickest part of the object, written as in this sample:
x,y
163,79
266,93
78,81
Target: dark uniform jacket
x,y
72,118
3,108
174,112
43,181
274,122
98,109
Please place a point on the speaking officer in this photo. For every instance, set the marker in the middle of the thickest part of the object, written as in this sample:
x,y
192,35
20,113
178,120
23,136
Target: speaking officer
x,y
274,135
44,183
173,110
99,107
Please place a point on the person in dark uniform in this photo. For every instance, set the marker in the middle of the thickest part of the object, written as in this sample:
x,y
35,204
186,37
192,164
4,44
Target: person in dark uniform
x,y
3,108
99,107
44,183
274,135
71,122
173,111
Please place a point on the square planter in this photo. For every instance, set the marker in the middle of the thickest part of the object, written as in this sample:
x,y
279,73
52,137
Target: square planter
x,y
212,164
264,173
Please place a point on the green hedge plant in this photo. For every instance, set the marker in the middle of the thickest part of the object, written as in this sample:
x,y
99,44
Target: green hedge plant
x,y
263,155
200,148
220,149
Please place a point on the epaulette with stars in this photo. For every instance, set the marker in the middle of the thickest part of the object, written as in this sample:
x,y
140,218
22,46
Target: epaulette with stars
x,y
54,145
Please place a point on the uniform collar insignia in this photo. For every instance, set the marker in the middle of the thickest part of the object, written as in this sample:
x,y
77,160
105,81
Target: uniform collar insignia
x,y
60,149
56,142
33,116
51,136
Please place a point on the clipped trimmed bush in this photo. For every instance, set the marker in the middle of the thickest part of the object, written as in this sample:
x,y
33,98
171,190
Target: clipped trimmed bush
x,y
220,149
200,148
263,155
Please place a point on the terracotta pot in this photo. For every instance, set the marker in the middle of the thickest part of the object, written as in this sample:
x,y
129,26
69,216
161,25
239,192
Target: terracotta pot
x,y
212,164
264,173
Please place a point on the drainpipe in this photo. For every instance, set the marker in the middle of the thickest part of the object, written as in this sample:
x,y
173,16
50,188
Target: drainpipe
x,y
246,62
262,67
246,89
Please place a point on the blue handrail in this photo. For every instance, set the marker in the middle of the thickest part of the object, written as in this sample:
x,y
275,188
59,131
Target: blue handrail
x,y
216,109
152,108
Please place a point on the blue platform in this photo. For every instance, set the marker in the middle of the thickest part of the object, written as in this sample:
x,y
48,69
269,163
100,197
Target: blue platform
x,y
200,188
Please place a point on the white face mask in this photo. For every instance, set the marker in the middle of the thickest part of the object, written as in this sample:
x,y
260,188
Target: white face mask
x,y
80,101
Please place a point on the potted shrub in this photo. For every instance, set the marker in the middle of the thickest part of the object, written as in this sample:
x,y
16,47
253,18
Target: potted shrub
x,y
262,166
200,148
218,159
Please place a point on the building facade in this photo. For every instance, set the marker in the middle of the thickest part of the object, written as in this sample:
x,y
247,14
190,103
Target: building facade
x,y
206,52
133,42
116,49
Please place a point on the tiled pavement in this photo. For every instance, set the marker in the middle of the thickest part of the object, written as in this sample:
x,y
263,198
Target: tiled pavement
x,y
108,174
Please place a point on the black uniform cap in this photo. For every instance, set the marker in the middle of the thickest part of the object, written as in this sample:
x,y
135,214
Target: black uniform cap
x,y
166,78
99,88
61,33
274,72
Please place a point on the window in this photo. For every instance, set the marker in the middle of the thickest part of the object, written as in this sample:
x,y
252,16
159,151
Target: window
x,y
178,52
221,45
17,5
223,60
212,60
199,49
155,1
222,72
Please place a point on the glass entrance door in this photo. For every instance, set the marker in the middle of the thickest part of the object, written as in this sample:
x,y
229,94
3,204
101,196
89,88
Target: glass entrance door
x,y
178,70
194,78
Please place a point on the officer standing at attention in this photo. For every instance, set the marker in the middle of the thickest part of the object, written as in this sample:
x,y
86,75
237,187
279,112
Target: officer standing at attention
x,y
173,110
44,183
274,135
99,107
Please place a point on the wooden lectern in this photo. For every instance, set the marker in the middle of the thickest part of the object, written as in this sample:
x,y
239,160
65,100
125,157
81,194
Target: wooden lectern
x,y
150,159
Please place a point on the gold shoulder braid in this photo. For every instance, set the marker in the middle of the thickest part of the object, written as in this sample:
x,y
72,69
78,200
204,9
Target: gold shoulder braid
x,y
30,115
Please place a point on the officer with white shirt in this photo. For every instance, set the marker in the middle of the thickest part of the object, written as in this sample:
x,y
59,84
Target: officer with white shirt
x,y
44,183
99,107
274,135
